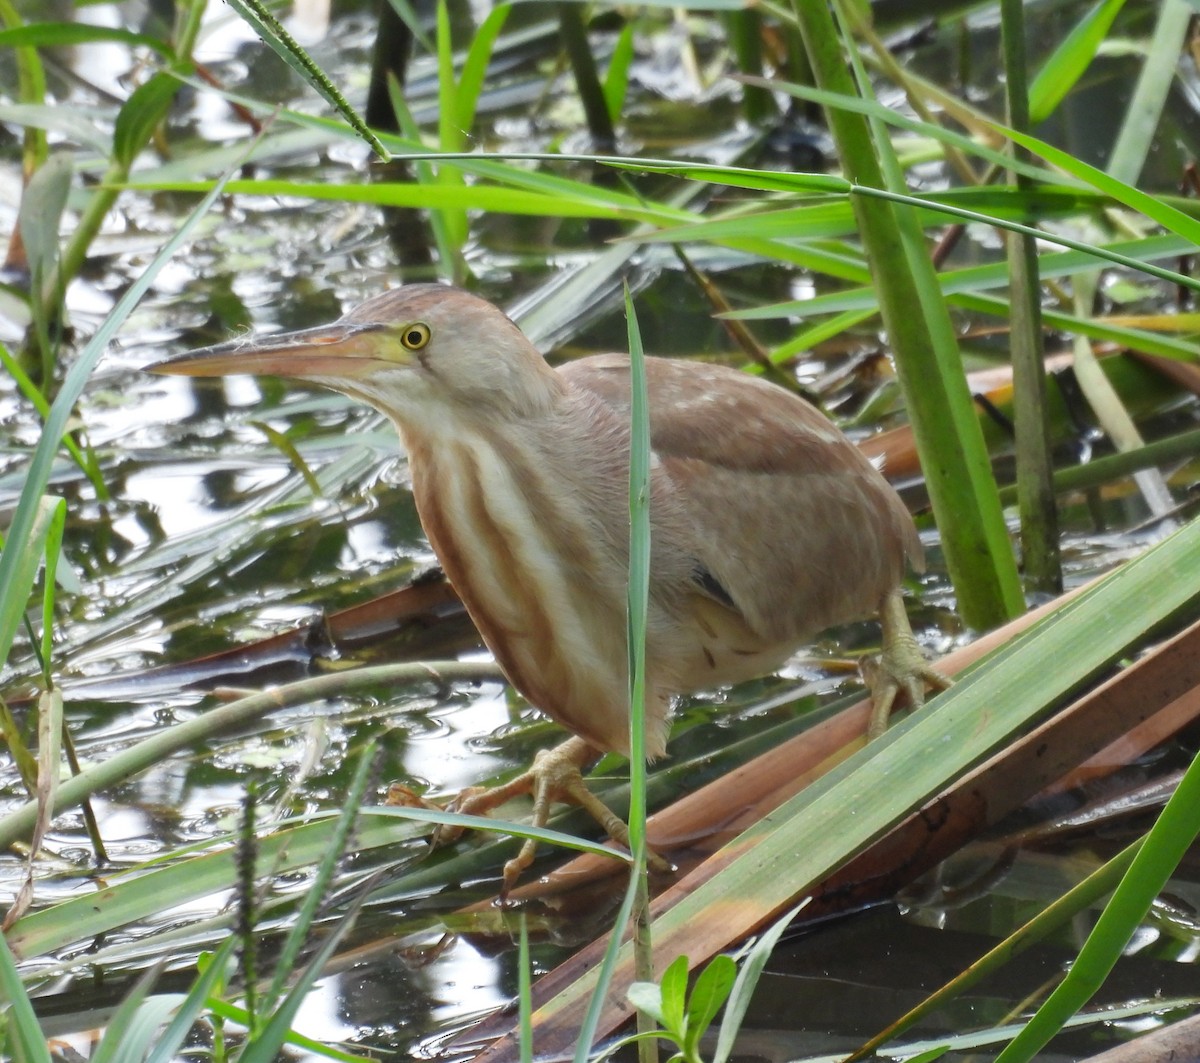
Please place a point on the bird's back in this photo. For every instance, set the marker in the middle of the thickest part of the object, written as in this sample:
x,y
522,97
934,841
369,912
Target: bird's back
x,y
790,523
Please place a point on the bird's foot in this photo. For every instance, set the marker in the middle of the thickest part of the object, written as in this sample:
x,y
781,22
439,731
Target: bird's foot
x,y
555,775
901,667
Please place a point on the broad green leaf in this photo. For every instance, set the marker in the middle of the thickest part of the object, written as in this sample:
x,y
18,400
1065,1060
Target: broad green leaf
x,y
674,989
708,995
647,997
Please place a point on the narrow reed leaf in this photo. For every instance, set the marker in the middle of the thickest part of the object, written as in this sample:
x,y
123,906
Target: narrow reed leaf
x,y
133,1026
604,974
213,972
524,991
50,727
1060,73
24,550
616,78
265,1046
639,573
1145,108
25,1038
750,969
470,81
71,34
52,554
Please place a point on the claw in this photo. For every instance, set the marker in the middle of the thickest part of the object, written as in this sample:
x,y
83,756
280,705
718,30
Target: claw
x,y
901,667
555,775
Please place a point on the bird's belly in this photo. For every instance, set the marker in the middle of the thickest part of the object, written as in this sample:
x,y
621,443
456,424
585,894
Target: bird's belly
x,y
716,647
553,618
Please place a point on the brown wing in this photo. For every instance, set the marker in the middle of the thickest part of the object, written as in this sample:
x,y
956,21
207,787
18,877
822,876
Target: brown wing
x,y
787,517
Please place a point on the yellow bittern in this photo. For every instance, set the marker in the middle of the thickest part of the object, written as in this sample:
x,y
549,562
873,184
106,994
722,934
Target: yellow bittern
x,y
767,524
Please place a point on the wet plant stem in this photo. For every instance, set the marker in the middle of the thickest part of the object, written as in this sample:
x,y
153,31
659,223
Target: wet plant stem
x,y
643,952
1035,488
954,457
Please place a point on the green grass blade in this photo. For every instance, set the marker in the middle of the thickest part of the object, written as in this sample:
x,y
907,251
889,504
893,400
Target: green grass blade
x,y
26,1038
1150,94
133,1027
639,575
604,974
1061,72
72,34
214,972
750,969
524,992
616,78
265,1046
23,551
1152,207
470,81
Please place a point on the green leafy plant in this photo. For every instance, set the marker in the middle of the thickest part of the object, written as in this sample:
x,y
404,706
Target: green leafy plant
x,y
686,1016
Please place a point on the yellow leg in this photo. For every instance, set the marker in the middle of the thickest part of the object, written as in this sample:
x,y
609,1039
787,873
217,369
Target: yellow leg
x,y
555,775
900,667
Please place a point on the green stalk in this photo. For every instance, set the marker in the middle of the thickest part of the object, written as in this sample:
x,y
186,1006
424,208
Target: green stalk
x,y
743,29
1035,468
953,455
587,80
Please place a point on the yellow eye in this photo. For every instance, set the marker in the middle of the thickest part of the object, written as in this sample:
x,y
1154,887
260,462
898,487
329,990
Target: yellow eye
x,y
415,336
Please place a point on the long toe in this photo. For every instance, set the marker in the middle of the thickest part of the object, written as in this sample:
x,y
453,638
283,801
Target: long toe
x,y
901,667
556,775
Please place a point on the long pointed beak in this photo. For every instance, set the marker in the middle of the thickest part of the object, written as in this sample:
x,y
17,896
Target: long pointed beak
x,y
338,351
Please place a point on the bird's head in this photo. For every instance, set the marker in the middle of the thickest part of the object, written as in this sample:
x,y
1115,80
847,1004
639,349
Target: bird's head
x,y
417,353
